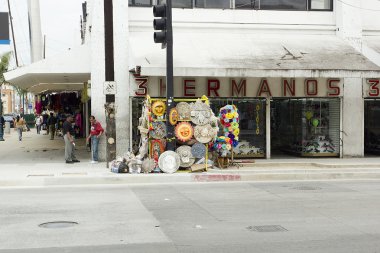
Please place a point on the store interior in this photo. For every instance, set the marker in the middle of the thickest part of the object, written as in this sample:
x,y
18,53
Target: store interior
x,y
371,127
305,127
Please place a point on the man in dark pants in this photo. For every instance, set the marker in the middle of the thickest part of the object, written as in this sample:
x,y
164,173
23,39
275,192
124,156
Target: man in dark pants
x,y
68,136
52,120
2,123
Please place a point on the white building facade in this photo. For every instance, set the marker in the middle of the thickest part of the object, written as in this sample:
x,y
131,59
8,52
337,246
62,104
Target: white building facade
x,y
303,73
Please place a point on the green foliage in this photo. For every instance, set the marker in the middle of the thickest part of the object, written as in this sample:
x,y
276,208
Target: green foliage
x,y
4,66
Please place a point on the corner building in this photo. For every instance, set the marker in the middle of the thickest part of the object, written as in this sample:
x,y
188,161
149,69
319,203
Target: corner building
x,y
304,73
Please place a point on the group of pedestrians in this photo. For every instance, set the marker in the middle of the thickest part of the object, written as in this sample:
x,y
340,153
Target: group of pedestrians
x,y
49,124
69,136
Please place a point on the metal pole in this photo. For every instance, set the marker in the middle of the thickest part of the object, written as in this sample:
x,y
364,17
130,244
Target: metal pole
x,y
1,114
170,143
13,34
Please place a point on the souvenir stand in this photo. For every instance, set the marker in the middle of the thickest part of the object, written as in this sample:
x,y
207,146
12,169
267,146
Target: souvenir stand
x,y
195,127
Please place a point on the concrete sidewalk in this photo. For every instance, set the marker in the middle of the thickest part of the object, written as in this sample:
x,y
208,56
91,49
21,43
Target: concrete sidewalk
x,y
38,161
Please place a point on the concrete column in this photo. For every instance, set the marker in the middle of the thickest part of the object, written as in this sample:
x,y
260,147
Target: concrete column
x,y
36,45
121,44
353,118
98,99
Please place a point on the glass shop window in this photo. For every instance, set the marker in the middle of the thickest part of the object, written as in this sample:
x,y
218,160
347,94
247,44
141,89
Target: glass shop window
x,y
320,5
283,5
220,4
140,3
246,4
180,3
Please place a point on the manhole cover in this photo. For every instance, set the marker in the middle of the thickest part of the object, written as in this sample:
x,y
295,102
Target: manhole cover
x,y
307,188
58,224
267,228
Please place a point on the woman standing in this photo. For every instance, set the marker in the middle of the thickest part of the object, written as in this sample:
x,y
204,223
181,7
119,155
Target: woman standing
x,y
19,125
38,121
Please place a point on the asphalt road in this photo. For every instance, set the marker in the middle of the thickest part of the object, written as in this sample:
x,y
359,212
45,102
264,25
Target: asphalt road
x,y
214,217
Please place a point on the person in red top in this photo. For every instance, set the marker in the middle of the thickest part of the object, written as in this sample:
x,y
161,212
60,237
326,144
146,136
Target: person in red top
x,y
95,133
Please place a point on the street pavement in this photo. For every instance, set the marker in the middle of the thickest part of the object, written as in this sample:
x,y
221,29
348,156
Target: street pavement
x,y
287,217
38,161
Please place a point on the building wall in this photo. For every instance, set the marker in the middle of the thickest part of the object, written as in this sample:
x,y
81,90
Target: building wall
x,y
349,20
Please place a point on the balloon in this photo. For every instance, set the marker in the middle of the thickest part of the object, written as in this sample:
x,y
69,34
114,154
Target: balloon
x,y
315,122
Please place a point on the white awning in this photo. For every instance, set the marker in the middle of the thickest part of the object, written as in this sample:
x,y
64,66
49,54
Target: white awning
x,y
67,71
252,55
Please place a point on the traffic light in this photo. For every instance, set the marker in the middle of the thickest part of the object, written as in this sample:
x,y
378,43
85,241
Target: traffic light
x,y
160,24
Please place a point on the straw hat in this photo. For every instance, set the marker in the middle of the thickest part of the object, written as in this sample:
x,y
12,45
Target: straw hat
x,y
169,162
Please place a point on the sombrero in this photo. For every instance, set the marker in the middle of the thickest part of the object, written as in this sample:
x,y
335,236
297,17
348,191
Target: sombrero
x,y
204,134
184,131
159,130
198,150
159,108
184,110
185,155
169,162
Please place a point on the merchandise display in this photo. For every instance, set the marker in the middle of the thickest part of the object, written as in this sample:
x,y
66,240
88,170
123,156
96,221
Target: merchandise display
x,y
184,110
158,130
198,150
204,133
159,108
200,113
169,162
229,119
173,116
186,156
184,131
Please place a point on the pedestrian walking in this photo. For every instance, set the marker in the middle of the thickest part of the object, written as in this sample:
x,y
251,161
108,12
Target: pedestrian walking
x,y
52,120
95,133
19,126
2,123
68,136
38,121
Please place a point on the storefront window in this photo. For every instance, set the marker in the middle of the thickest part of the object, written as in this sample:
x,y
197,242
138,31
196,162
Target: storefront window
x,y
305,127
246,4
222,4
252,137
140,3
320,4
372,126
180,3
283,4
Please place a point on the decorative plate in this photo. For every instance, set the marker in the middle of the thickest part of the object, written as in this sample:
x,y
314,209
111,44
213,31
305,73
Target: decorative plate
x,y
159,108
184,110
204,134
157,147
185,156
169,162
184,131
198,150
200,113
173,116
159,130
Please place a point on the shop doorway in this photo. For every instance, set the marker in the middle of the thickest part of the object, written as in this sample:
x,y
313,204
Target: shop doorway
x,y
305,127
371,127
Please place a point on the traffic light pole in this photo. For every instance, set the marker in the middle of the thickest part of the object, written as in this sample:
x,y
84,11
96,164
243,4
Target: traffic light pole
x,y
170,143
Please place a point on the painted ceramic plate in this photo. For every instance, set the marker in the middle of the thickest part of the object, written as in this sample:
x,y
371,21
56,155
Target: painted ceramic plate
x,y
169,162
184,131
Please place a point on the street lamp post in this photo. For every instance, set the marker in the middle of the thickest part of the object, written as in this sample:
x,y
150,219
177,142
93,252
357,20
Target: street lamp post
x,y
1,115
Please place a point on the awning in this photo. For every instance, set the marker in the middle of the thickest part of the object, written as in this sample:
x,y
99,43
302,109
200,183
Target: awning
x,y
64,72
252,55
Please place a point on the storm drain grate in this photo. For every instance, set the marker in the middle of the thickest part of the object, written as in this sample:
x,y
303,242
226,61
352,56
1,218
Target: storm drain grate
x,y
267,228
307,188
58,224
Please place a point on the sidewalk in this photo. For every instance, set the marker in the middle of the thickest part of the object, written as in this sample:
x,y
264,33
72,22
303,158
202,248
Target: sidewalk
x,y
38,161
